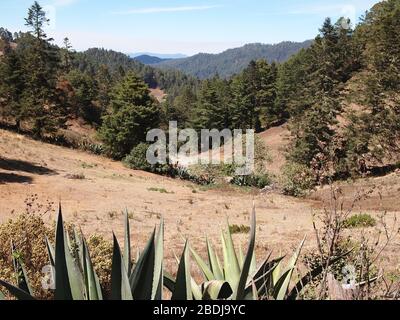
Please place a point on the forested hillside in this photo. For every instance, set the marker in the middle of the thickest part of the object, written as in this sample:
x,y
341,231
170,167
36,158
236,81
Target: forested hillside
x,y
146,59
233,61
339,96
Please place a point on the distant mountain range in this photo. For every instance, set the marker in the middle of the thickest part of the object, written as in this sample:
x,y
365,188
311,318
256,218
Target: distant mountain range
x,y
232,61
149,60
158,55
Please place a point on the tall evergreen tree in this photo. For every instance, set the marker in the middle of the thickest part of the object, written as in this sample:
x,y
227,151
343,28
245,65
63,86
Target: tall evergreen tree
x,y
212,111
374,133
133,112
41,68
314,129
11,86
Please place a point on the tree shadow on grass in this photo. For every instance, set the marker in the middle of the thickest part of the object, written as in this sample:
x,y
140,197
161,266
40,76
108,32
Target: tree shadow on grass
x,y
6,178
24,166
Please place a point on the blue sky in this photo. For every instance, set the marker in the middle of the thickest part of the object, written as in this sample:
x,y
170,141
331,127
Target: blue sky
x,y
181,26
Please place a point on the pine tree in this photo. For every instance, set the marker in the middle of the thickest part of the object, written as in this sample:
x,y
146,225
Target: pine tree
x,y
83,96
374,134
212,111
11,86
314,128
133,112
67,56
41,68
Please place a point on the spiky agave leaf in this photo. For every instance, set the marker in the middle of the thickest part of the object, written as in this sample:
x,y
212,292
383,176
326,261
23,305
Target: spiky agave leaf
x,y
63,287
127,245
205,269
120,287
231,264
216,290
215,264
16,292
282,286
50,252
21,274
158,277
262,279
92,284
141,280
183,284
74,272
239,292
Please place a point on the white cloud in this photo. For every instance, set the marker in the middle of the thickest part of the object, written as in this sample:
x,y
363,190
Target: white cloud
x,y
164,9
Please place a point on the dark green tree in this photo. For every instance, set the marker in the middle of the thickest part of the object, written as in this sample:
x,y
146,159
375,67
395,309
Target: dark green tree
x,y
83,97
133,112
41,68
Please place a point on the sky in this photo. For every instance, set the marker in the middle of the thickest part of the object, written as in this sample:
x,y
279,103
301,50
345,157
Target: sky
x,y
181,26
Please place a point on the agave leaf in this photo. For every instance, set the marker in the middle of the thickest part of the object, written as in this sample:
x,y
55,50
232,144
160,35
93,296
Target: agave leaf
x,y
16,292
205,269
98,287
91,279
254,291
216,290
79,242
169,282
241,256
196,290
310,276
214,262
253,265
183,286
50,252
262,278
127,245
239,292
141,279
63,288
158,279
231,264
74,273
22,276
276,274
120,288
282,286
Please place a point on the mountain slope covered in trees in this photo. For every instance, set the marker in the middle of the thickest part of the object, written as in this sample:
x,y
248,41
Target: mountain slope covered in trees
x,y
339,96
149,60
233,61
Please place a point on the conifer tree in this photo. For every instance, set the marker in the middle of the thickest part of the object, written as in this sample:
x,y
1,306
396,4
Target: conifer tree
x,y
41,68
133,112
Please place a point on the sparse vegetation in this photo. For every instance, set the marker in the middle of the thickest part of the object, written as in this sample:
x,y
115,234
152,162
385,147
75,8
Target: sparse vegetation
x,y
160,190
359,221
236,229
76,176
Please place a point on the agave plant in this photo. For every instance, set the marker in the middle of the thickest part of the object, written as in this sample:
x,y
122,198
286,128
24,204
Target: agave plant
x,y
76,279
237,278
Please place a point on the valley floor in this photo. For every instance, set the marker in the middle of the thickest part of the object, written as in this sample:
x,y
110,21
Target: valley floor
x,y
94,191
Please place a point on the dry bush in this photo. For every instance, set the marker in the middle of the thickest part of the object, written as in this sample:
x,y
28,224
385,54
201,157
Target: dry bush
x,y
359,274
101,252
28,231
